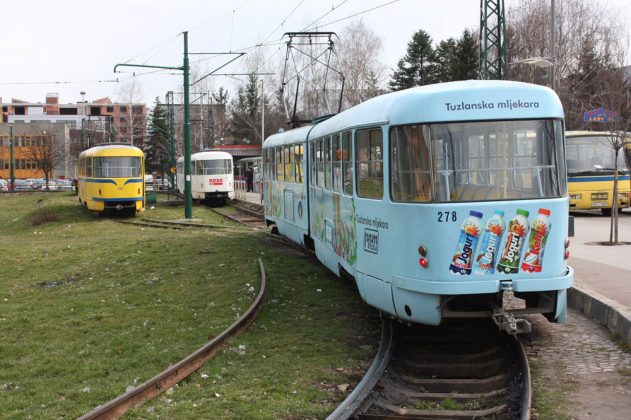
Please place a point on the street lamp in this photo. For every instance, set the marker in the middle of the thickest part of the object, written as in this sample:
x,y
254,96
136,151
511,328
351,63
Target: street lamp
x,y
542,63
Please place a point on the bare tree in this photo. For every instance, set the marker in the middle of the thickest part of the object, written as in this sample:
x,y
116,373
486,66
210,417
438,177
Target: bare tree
x,y
589,40
614,96
129,93
46,151
356,57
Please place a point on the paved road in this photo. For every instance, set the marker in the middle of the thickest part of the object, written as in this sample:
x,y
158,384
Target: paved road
x,y
602,268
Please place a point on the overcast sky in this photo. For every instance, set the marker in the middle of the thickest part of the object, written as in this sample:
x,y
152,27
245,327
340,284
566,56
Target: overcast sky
x,y
76,43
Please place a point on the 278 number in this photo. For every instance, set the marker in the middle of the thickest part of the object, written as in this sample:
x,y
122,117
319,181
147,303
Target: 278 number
x,y
447,216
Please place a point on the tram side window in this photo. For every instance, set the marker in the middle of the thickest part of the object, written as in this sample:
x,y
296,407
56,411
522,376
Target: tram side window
x,y
298,156
88,167
319,163
288,154
410,176
327,162
369,163
312,163
268,167
337,163
347,163
279,164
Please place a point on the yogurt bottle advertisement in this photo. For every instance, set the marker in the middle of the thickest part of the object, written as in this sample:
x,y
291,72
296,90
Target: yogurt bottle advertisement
x,y
489,244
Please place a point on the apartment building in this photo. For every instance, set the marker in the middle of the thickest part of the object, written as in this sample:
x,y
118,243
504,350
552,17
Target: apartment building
x,y
85,123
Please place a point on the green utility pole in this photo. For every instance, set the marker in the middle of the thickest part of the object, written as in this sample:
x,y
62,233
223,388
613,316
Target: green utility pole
x,y
171,121
11,159
493,61
188,200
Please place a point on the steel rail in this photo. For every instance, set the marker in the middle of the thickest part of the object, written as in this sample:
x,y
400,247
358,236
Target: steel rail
x,y
117,407
526,395
356,398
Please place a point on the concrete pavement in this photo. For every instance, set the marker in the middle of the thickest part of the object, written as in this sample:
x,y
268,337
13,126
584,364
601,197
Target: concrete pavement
x,y
602,273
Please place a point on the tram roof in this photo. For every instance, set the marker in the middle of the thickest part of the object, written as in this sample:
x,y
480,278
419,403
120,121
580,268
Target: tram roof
x,y
112,150
470,100
209,155
291,136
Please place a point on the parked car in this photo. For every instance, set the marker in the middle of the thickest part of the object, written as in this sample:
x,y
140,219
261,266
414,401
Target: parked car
x,y
23,185
163,184
4,185
63,184
149,183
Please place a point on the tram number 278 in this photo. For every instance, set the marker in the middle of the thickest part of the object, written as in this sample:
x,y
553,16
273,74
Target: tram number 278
x,y
447,216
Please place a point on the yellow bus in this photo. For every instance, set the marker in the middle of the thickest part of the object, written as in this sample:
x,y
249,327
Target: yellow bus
x,y
110,179
590,171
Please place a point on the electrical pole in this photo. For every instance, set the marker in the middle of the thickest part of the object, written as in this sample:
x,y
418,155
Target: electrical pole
x,y
188,200
11,159
493,61
552,44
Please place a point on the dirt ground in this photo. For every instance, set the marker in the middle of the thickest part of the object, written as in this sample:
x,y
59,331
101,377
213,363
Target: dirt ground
x,y
584,373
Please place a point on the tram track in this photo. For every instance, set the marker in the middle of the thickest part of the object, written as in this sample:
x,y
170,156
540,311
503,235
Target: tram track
x,y
244,216
161,382
464,370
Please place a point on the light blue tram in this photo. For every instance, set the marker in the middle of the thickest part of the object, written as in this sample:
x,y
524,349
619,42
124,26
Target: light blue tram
x,y
436,200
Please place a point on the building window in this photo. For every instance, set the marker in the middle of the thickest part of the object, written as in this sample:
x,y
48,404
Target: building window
x,y
110,109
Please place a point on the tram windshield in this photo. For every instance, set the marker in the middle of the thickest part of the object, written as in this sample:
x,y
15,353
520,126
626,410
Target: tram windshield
x,y
477,161
117,167
592,155
212,167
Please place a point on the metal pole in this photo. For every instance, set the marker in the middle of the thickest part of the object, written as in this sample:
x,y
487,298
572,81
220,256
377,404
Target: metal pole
x,y
552,42
188,198
11,159
262,113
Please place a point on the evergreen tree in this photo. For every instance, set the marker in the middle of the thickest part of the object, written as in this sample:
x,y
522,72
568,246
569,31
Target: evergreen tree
x,y
582,86
221,97
245,113
156,147
418,66
466,58
445,60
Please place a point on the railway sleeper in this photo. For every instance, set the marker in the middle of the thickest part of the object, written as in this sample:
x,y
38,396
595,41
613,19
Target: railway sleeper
x,y
438,414
467,385
458,370
450,355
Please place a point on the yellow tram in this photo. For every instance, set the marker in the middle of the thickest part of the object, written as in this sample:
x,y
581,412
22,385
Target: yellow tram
x,y
110,179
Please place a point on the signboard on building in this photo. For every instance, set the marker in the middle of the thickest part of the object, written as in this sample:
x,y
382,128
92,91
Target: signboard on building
x,y
601,115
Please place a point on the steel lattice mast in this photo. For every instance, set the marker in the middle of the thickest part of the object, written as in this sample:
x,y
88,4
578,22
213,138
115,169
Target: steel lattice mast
x,y
493,61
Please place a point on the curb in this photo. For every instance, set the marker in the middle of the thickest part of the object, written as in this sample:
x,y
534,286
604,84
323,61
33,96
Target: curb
x,y
608,312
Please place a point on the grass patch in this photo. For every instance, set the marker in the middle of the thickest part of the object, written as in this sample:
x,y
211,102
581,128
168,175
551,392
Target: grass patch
x,y
89,307
622,344
549,402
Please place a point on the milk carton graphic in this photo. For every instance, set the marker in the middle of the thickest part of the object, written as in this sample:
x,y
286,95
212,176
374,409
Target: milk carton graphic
x,y
469,235
485,260
533,258
517,231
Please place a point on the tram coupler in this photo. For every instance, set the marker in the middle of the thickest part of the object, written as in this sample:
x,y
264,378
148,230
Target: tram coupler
x,y
506,321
